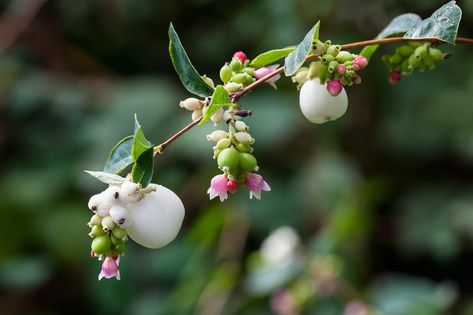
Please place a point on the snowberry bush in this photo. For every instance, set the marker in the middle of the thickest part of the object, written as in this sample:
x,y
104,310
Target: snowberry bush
x,y
151,215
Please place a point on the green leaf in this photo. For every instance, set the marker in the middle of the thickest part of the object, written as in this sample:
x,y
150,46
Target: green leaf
x,y
296,58
190,78
271,56
107,178
399,25
140,143
142,171
120,156
443,24
220,98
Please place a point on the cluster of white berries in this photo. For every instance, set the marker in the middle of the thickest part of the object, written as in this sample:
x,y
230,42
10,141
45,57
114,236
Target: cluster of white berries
x,y
199,107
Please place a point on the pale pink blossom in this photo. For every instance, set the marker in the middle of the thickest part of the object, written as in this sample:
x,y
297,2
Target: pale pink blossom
x,y
256,183
341,69
264,71
334,87
218,187
110,268
359,63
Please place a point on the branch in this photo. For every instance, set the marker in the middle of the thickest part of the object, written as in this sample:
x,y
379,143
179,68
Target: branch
x,y
237,95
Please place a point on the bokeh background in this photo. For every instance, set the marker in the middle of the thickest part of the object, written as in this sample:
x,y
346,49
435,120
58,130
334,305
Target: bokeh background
x,y
378,205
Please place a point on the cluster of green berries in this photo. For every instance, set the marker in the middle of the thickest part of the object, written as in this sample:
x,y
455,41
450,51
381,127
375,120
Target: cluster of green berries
x,y
108,239
410,57
237,73
335,67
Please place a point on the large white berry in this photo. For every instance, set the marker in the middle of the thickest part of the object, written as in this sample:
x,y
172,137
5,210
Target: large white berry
x,y
129,188
157,218
318,105
120,216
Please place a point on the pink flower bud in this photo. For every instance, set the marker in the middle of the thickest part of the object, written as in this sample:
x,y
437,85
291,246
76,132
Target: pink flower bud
x,y
357,79
394,77
334,87
232,186
359,62
240,56
264,71
341,69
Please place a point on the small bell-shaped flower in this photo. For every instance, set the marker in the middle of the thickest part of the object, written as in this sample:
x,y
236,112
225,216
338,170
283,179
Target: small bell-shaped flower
x,y
256,183
264,71
218,187
110,268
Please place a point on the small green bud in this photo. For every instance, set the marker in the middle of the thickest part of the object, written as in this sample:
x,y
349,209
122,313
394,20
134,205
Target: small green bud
x,y
223,143
96,231
225,73
228,159
107,223
250,71
334,50
247,162
406,68
208,80
420,52
115,241
119,249
436,54
414,44
244,137
413,61
241,126
119,233
332,66
243,147
101,244
345,56
236,65
248,79
395,59
233,87
239,78
326,59
95,220
315,69
405,50
191,103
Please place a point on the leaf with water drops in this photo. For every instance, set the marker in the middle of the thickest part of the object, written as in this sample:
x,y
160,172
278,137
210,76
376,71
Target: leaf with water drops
x,y
443,24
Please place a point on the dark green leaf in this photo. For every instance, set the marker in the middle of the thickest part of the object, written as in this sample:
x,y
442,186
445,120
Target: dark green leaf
x,y
190,78
220,98
399,25
120,156
107,178
140,143
296,58
142,171
443,24
271,56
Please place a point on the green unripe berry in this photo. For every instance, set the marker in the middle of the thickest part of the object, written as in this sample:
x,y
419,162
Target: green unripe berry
x,y
119,233
101,244
247,162
315,69
233,87
395,59
405,51
236,65
334,50
414,44
248,79
436,54
413,61
96,231
326,59
228,159
249,71
225,73
332,66
223,143
243,147
420,52
406,68
239,78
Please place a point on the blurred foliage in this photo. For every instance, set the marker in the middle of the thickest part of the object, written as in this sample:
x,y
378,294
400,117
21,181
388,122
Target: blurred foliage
x,y
381,198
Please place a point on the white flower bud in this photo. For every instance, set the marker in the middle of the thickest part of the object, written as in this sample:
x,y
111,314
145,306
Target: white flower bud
x,y
217,117
196,114
227,116
191,104
318,105
244,137
223,144
301,77
103,209
241,126
107,223
120,216
216,135
208,80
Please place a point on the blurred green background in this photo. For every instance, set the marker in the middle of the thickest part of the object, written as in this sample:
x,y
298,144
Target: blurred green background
x,y
381,199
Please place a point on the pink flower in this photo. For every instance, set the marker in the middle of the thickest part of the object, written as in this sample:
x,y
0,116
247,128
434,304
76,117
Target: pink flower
x,y
334,87
110,268
282,303
256,183
218,187
341,69
359,63
240,56
264,71
394,77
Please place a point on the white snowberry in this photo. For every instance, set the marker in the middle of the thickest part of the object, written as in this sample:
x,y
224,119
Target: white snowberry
x,y
157,218
111,195
129,188
95,201
318,105
120,216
